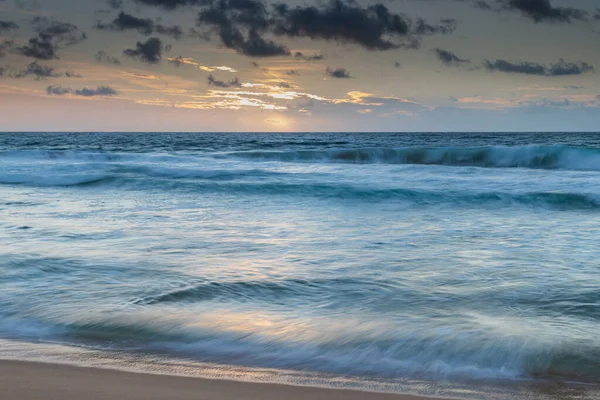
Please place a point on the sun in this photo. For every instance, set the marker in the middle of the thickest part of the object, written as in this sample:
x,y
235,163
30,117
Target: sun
x,y
279,123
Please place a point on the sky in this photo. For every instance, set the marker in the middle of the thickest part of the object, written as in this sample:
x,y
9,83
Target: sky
x,y
300,65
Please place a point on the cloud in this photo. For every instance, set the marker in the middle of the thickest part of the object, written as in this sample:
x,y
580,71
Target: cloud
x,y
85,92
4,46
535,10
57,90
145,26
542,11
530,101
102,56
309,57
239,25
173,31
57,31
99,91
38,47
338,73
482,4
73,74
370,27
242,25
51,34
126,21
115,4
235,82
569,68
6,26
446,27
562,68
170,4
149,51
449,58
37,70
257,46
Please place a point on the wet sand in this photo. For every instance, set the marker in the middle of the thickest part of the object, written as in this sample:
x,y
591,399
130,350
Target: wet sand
x,y
39,381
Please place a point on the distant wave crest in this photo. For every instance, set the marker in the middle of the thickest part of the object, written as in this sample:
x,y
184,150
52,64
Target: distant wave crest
x,y
540,157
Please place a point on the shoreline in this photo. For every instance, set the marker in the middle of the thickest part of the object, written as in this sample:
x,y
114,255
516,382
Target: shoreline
x,y
52,371
28,380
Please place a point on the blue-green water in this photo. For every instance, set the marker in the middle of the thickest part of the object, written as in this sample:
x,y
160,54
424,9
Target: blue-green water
x,y
446,257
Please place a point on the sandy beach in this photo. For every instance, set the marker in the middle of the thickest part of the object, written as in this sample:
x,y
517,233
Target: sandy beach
x,y
40,381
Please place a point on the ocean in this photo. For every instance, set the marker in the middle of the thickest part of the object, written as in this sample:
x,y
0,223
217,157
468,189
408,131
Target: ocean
x,y
456,264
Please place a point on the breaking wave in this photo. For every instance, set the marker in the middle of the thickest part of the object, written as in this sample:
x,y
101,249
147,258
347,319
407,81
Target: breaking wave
x,y
540,157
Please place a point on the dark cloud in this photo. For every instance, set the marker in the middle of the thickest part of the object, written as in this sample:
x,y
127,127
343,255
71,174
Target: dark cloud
x,y
85,92
397,65
51,34
170,4
73,74
562,68
38,47
522,67
57,90
28,6
126,21
536,10
257,46
6,26
449,58
5,46
597,15
309,57
371,27
103,57
542,10
569,68
243,24
37,70
445,27
482,4
99,91
173,31
240,25
235,82
58,32
149,51
115,4
338,72
145,26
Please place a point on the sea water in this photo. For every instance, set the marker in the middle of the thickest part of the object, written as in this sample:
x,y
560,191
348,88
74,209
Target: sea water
x,y
383,257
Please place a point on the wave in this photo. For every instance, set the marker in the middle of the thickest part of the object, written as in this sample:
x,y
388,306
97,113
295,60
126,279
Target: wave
x,y
446,354
539,157
267,291
224,182
529,156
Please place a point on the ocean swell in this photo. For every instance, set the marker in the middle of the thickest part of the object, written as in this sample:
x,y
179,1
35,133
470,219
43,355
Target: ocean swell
x,y
539,157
